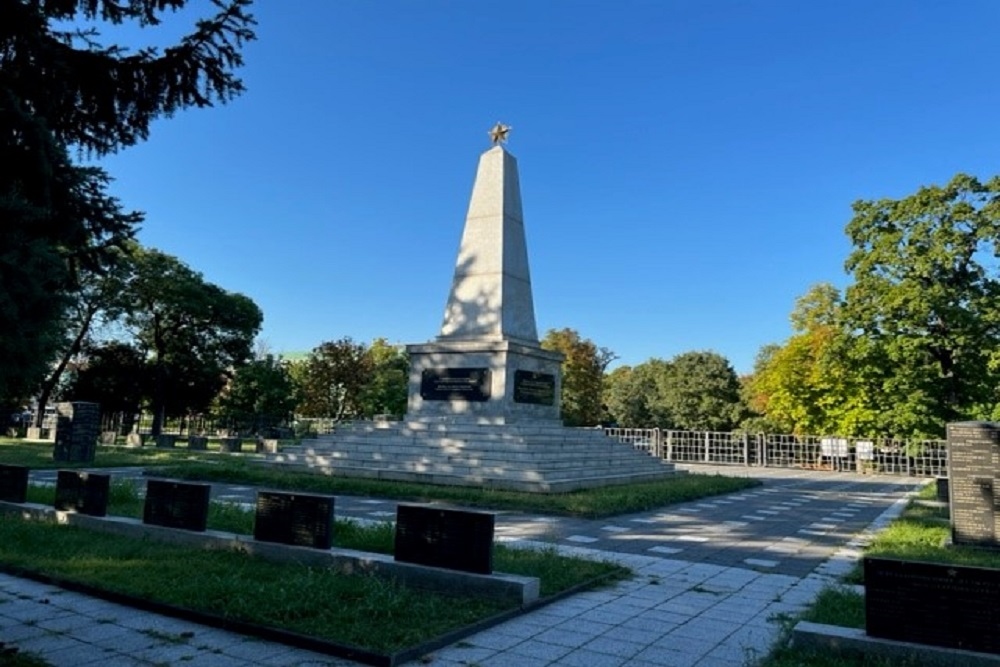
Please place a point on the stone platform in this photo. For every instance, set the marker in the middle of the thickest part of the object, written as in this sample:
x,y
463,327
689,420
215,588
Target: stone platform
x,y
541,457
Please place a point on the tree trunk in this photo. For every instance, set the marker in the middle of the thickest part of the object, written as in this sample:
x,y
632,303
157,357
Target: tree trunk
x,y
53,379
158,407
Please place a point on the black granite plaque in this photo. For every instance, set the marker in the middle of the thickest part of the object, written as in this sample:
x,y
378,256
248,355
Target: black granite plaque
x,y
197,442
536,388
78,425
929,603
453,539
455,384
973,461
231,445
176,504
941,488
13,483
300,519
83,492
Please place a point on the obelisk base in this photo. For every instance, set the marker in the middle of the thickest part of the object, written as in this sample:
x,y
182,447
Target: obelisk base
x,y
483,382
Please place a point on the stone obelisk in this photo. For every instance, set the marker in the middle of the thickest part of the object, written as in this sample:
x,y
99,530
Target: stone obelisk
x,y
483,405
486,365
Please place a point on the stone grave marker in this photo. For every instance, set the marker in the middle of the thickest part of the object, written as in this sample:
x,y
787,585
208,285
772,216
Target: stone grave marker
x,y
134,439
83,492
13,483
108,437
931,603
452,539
299,519
230,445
973,465
166,441
942,492
176,504
267,446
78,425
38,433
198,442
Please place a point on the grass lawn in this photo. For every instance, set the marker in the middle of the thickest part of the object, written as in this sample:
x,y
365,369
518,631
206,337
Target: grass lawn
x,y
918,534
585,503
360,610
13,658
38,454
242,469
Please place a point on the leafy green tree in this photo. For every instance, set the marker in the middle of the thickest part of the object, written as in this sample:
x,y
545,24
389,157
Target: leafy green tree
x,y
385,393
61,89
626,406
261,394
693,391
582,376
112,374
701,392
926,296
194,332
815,383
93,301
332,379
631,395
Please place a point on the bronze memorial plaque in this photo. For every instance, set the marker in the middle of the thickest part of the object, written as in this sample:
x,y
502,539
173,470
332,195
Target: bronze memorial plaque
x,y
930,603
536,388
455,384
83,492
298,519
453,539
176,504
13,483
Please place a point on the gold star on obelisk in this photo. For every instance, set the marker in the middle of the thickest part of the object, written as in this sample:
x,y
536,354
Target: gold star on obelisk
x,y
499,132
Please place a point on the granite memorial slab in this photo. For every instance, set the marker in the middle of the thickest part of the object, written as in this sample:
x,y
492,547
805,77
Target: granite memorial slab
x,y
452,539
82,492
299,519
931,603
535,388
973,463
230,445
450,384
78,426
176,504
13,483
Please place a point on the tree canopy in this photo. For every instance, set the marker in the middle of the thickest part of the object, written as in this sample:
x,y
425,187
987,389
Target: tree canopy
x,y
914,342
194,333
582,376
61,89
332,379
926,292
693,391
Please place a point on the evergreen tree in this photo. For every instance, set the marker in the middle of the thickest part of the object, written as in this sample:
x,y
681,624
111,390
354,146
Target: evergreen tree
x,y
61,89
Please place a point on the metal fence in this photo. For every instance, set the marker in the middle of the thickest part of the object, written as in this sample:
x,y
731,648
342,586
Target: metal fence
x,y
920,458
124,423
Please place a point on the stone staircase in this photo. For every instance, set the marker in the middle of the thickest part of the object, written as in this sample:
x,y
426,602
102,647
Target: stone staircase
x,y
540,457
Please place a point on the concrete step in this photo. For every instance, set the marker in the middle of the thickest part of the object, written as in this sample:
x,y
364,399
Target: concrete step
x,y
531,456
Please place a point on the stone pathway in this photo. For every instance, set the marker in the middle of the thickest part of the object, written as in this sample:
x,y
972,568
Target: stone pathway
x,y
712,579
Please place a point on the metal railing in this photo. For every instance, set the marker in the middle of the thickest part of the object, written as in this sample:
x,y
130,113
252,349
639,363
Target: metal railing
x,y
920,458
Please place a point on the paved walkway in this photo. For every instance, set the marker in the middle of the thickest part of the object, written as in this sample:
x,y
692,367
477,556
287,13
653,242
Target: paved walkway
x,y
712,578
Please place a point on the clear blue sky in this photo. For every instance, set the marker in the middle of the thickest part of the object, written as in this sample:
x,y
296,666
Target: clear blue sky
x,y
687,168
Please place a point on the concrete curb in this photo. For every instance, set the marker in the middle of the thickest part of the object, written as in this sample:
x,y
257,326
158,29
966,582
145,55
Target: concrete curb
x,y
854,641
